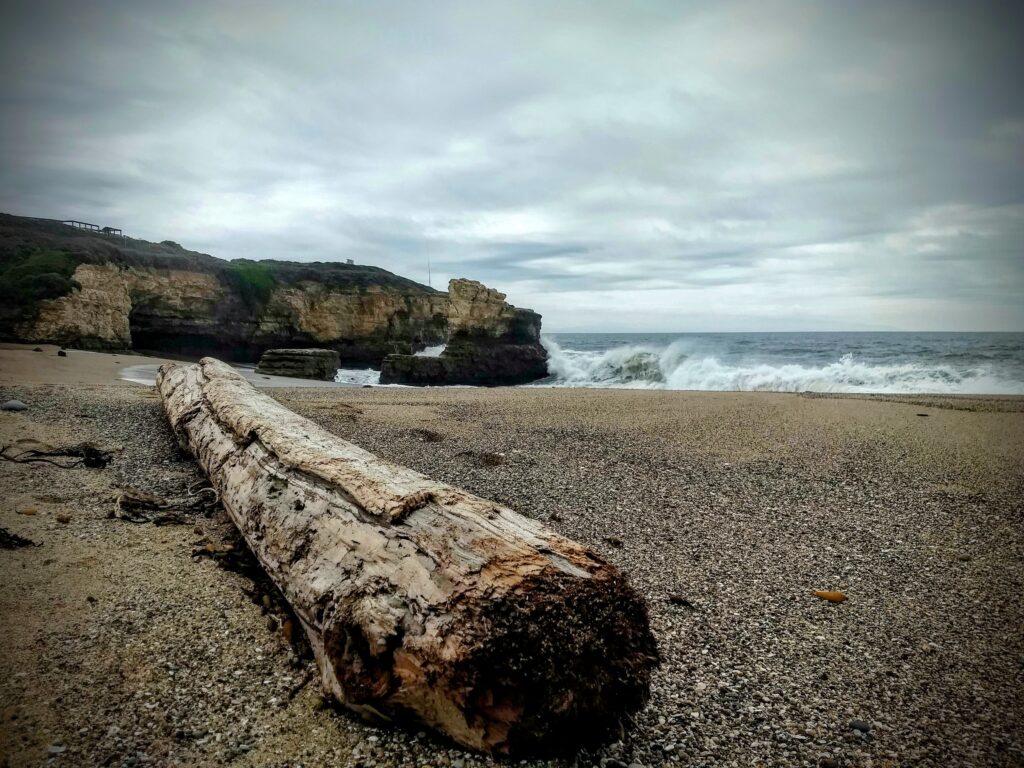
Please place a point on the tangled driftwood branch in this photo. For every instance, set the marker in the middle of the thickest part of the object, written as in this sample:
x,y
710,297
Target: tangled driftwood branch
x,y
82,454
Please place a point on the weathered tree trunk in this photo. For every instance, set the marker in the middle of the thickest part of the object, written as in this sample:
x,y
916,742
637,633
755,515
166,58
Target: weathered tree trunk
x,y
421,601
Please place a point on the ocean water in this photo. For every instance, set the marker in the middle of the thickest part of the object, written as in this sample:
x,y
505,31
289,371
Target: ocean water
x,y
960,363
901,363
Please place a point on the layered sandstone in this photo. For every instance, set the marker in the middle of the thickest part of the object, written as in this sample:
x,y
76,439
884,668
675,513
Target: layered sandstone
x,y
93,317
321,364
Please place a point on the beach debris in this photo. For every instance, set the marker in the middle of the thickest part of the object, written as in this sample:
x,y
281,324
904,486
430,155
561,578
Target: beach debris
x,y
832,597
10,540
488,626
923,414
491,459
614,541
80,455
37,349
428,435
135,506
13,405
682,602
230,557
62,353
63,519
860,725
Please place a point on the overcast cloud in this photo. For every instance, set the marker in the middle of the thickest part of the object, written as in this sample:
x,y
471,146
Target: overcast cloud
x,y
615,166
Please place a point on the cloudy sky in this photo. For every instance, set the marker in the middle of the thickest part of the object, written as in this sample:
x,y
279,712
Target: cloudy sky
x,y
647,166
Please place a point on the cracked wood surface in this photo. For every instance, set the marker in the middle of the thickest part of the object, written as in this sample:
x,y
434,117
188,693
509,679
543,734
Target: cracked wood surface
x,y
421,601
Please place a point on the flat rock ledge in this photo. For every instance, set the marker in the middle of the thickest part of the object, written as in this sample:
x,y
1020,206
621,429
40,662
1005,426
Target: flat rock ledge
x,y
321,364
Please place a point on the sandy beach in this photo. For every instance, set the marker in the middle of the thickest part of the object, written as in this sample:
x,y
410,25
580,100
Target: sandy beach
x,y
126,644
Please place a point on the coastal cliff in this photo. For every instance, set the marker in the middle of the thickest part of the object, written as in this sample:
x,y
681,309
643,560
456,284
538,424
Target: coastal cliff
x,y
94,291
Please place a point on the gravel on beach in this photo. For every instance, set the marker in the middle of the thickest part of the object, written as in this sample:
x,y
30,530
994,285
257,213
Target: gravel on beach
x,y
124,645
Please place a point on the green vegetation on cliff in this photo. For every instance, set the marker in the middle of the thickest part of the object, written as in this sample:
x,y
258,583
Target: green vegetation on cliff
x,y
253,281
32,275
256,278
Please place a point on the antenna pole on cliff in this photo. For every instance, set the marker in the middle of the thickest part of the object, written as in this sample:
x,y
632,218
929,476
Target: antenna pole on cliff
x,y
428,273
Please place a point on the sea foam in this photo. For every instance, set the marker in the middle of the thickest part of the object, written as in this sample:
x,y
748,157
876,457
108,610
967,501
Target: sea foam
x,y
676,367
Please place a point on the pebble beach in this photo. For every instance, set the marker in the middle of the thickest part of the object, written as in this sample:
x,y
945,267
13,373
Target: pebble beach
x,y
135,644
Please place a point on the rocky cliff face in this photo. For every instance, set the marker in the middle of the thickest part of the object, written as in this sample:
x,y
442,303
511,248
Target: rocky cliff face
x,y
96,314
82,289
491,343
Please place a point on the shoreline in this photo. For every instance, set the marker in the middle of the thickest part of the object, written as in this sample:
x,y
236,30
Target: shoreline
x,y
20,365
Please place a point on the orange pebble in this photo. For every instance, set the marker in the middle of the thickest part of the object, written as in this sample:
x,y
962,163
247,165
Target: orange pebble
x,y
832,597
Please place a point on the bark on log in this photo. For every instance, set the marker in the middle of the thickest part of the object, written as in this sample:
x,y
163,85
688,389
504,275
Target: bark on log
x,y
420,600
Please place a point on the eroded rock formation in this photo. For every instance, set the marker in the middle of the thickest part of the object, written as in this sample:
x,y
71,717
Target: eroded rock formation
x,y
491,343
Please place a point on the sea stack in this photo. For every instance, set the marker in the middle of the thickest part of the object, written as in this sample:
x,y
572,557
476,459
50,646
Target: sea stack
x,y
491,343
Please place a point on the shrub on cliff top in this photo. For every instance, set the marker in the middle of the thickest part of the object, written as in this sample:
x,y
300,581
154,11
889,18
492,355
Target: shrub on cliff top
x,y
33,275
253,281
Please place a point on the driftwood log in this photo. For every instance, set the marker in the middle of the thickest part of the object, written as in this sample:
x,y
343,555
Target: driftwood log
x,y
421,601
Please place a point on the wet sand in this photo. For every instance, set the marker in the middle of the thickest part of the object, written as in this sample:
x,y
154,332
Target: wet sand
x,y
21,364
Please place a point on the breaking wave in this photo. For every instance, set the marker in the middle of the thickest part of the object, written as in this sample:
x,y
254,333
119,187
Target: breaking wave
x,y
674,367
431,351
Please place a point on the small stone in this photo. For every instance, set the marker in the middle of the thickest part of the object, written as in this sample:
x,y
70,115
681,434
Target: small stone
x,y
63,519
13,405
458,762
61,353
828,762
37,349
681,601
56,749
860,725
